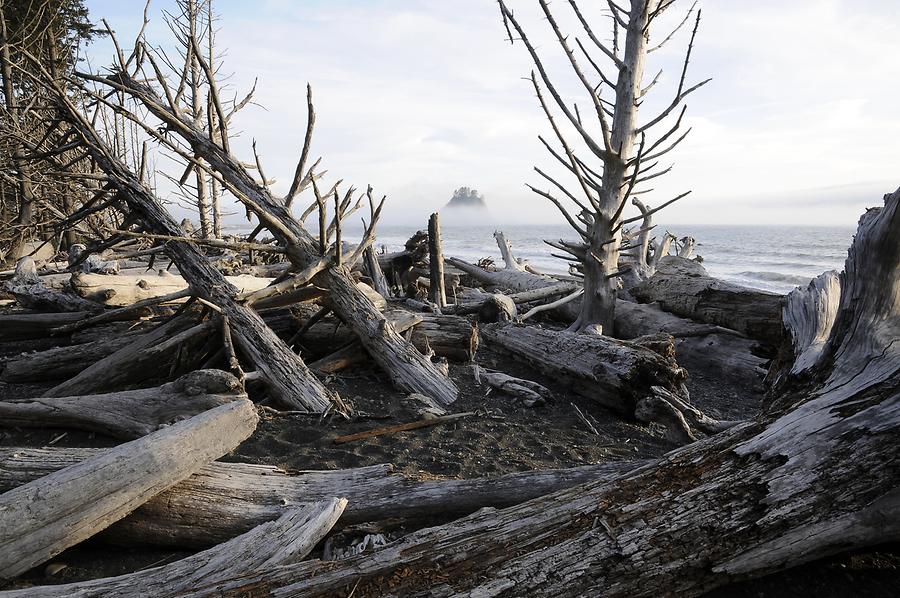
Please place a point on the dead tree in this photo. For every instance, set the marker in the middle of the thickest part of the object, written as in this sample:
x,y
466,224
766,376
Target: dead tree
x,y
817,476
625,155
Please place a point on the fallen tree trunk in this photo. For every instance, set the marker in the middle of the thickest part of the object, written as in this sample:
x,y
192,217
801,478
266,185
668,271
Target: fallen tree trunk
x,y
226,499
816,478
287,377
698,347
61,363
614,373
354,352
127,414
28,326
288,539
684,288
30,292
452,337
44,517
125,290
145,357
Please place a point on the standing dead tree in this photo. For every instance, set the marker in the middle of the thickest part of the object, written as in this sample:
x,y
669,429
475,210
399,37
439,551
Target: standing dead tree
x,y
626,154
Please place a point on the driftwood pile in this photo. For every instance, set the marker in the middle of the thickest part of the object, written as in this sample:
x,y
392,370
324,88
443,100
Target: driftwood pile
x,y
745,499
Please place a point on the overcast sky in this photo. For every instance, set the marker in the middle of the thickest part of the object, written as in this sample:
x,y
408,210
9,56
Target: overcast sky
x,y
418,97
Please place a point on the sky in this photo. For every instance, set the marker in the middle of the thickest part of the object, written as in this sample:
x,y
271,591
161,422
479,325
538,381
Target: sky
x,y
800,124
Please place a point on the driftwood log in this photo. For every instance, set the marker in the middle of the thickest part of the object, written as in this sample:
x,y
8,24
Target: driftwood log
x,y
60,363
614,373
684,288
288,539
453,337
44,517
30,292
126,414
816,477
125,290
223,500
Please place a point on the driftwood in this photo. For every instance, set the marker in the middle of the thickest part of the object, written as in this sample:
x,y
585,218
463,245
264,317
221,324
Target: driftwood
x,y
814,478
26,326
452,337
530,393
375,274
614,373
684,288
288,539
416,425
125,290
223,500
143,358
437,294
44,517
354,352
126,414
30,292
698,347
60,363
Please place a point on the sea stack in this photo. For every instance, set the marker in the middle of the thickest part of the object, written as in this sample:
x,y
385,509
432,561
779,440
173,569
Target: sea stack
x,y
467,205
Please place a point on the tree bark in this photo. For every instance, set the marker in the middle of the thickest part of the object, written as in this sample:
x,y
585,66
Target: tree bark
x,y
128,414
436,292
288,539
452,337
223,500
61,363
815,477
684,288
614,373
44,517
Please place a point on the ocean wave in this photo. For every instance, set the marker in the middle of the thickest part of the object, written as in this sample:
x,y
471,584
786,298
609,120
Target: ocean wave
x,y
793,279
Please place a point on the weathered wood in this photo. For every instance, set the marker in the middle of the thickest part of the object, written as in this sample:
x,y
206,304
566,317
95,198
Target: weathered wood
x,y
715,351
530,393
373,270
614,373
141,359
125,290
453,337
30,292
354,352
226,499
436,292
684,288
26,326
44,517
126,414
288,539
817,477
407,427
60,363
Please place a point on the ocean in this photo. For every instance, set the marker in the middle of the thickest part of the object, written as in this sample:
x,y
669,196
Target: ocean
x,y
772,258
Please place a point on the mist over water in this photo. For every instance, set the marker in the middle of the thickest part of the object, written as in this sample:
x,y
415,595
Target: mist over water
x,y
772,258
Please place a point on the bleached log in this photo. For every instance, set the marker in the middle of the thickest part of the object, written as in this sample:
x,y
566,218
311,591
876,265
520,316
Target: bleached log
x,y
516,280
125,290
30,292
44,517
684,288
126,414
809,315
223,500
373,270
288,539
816,478
437,294
506,253
614,373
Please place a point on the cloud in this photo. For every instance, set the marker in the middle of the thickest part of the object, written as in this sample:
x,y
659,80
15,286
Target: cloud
x,y
420,97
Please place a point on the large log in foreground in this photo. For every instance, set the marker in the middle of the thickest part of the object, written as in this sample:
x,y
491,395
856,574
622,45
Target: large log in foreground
x,y
127,414
684,288
616,374
818,478
44,517
288,539
225,499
